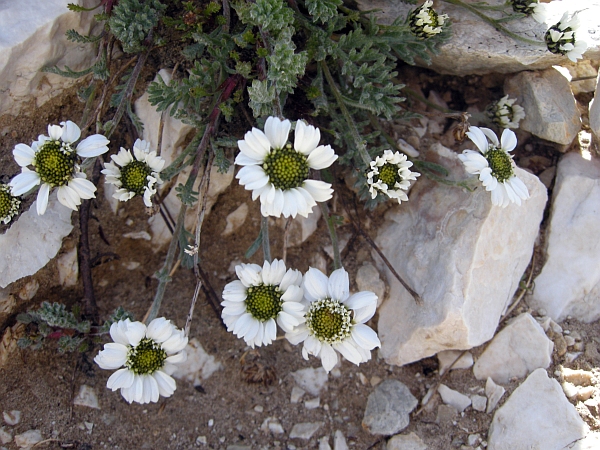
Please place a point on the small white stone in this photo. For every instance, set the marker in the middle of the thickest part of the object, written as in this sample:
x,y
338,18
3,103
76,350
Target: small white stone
x,y
259,408
5,436
271,425
28,439
312,403
201,440
86,397
570,341
131,265
571,356
12,418
454,398
211,422
494,393
143,235
89,426
375,380
305,430
324,443
410,441
297,394
310,379
363,379
473,439
577,377
68,268
235,219
479,402
28,291
407,148
339,441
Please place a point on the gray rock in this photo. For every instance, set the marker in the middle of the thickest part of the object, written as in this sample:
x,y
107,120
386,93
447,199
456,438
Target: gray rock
x,y
519,349
339,441
32,35
20,255
568,284
590,442
272,425
477,48
388,408
536,415
478,402
551,109
235,219
305,430
324,443
458,401
408,441
465,258
454,358
86,397
445,414
311,380
199,365
12,418
5,436
580,76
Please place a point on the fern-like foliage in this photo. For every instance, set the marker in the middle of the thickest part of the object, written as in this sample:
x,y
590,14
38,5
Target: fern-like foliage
x,y
132,20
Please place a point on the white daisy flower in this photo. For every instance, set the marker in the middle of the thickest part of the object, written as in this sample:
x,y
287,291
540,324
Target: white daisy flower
x,y
425,22
261,298
335,320
561,38
9,204
54,164
149,355
390,174
135,176
531,8
505,113
494,165
278,173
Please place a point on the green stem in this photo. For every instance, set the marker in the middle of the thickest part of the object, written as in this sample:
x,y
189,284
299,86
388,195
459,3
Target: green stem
x,y
337,260
360,143
264,228
494,23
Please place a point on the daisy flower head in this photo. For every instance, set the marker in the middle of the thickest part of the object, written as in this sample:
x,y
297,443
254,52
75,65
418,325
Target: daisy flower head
x,y
425,22
561,38
262,298
277,172
145,358
9,204
335,320
531,8
494,165
390,174
505,113
135,174
54,159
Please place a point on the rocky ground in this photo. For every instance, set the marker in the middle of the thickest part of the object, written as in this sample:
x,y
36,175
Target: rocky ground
x,y
536,384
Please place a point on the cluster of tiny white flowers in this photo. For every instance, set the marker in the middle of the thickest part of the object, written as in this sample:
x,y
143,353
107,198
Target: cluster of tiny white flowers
x,y
505,113
425,22
561,38
390,174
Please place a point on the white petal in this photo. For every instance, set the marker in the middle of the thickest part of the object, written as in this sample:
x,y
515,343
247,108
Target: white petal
x,y
118,331
291,277
243,160
306,138
348,351
298,335
321,157
24,154
277,131
24,182
270,332
364,304
150,389
252,177
112,357
122,378
122,158
509,140
160,329
234,291
166,384
253,331
519,187
176,342
135,392
313,345
287,322
135,332
365,337
290,204
491,136
478,138
42,199
319,190
70,132
329,357
293,294
338,286
68,197
233,308
315,285
84,188
273,273
92,146
177,358
55,132
249,274
255,145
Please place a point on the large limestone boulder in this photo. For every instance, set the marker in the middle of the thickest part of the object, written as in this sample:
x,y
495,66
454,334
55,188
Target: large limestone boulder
x,y
463,256
32,35
569,282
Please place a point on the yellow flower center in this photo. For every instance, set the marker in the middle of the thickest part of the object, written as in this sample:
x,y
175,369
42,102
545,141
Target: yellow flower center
x,y
329,320
264,301
55,163
134,176
146,358
286,168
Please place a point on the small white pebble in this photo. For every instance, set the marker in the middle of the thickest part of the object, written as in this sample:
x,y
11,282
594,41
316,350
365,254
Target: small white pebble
x,y
259,408
211,422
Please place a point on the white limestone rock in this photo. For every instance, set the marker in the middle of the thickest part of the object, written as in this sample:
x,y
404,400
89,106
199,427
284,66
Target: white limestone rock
x,y
590,442
199,364
551,109
86,397
32,241
408,441
494,393
235,219
305,430
454,398
339,441
28,439
368,279
536,415
479,402
68,268
462,255
311,380
388,408
477,48
32,35
569,282
519,349
594,113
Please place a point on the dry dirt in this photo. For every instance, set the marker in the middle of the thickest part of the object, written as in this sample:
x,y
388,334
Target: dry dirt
x,y
42,384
